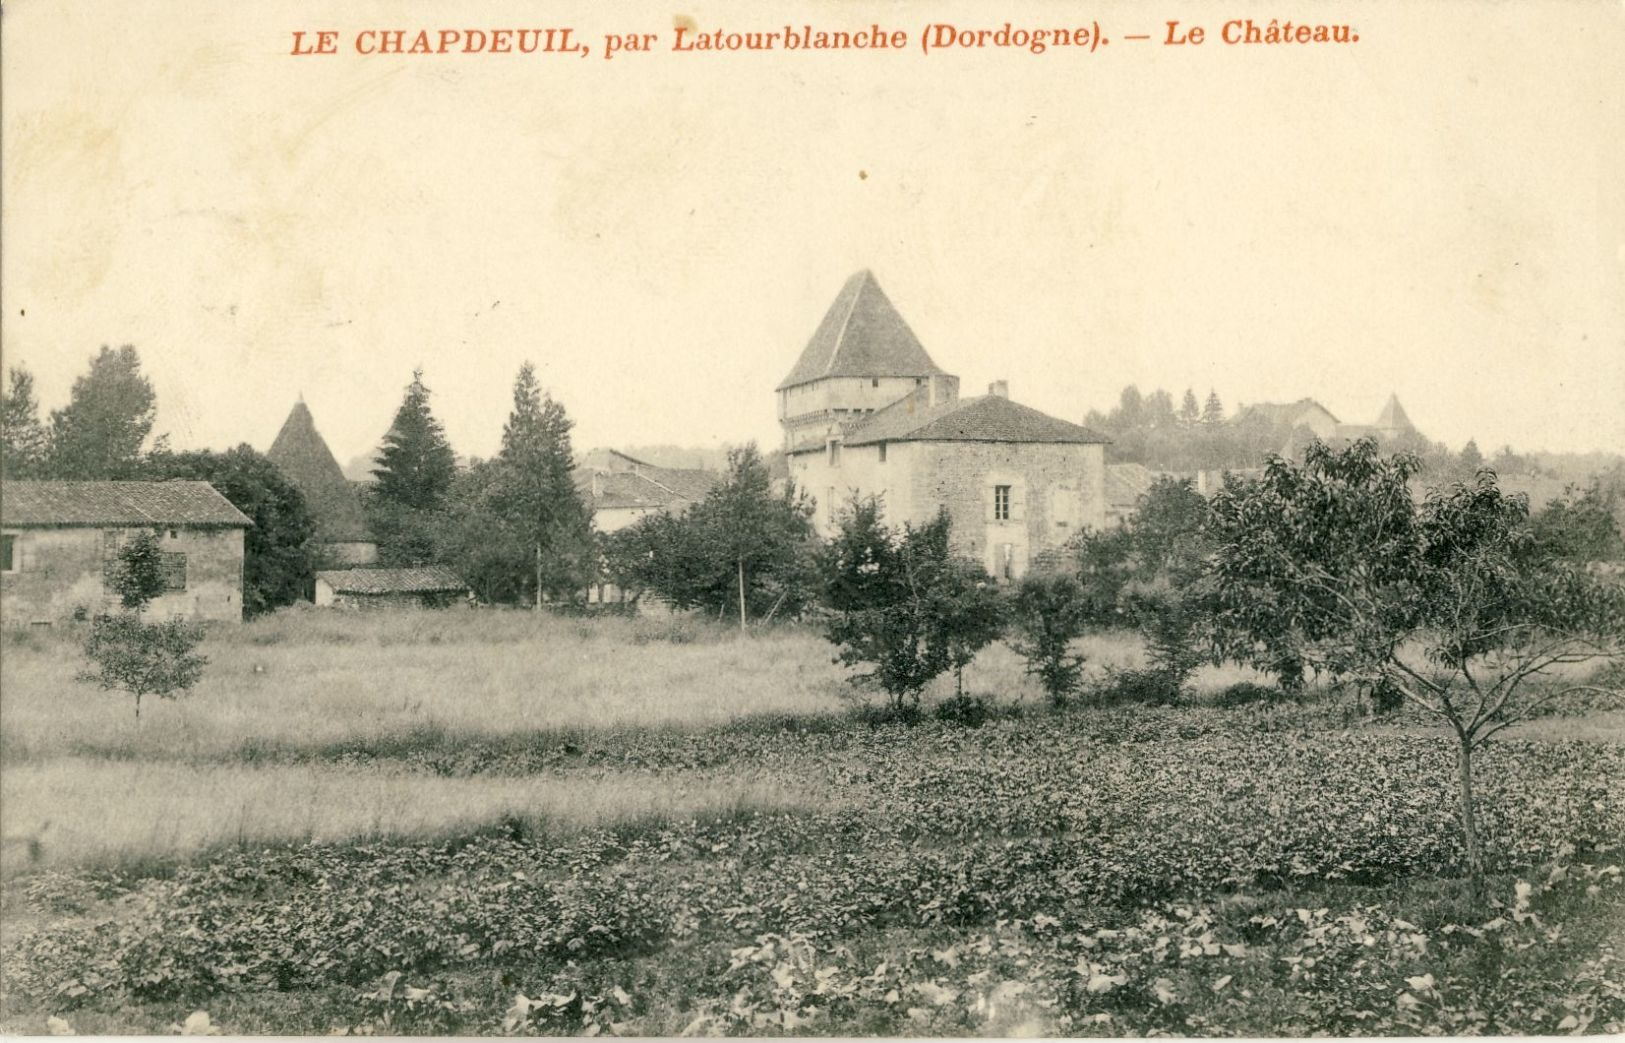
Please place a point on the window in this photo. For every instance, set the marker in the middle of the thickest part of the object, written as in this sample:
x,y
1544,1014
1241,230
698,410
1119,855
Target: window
x,y
174,569
8,553
1001,503
882,452
874,382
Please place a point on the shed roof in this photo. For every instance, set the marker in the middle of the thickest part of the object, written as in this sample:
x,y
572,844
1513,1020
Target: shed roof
x,y
424,579
862,335
988,418
171,503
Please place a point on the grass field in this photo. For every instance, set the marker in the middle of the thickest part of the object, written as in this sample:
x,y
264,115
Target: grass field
x,y
399,822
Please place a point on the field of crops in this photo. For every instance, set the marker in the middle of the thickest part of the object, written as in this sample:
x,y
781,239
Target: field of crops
x,y
1257,870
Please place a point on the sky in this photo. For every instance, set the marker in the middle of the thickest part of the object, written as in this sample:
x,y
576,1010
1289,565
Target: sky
x,y
1437,211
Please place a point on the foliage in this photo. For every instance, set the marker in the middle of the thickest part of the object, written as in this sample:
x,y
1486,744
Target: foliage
x,y
416,464
99,433
144,658
904,604
969,711
24,442
1581,527
536,495
138,571
1048,613
1153,687
278,553
743,551
484,546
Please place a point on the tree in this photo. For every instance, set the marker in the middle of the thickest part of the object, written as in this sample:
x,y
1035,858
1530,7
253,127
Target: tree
x,y
537,495
1049,613
1581,527
483,546
889,589
756,534
416,464
144,658
1471,458
1452,604
1212,410
1189,413
969,613
138,572
278,552
24,446
100,432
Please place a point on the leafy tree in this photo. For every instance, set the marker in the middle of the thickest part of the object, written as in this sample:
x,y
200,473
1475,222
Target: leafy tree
x,y
138,572
969,613
756,536
1582,527
278,552
144,658
100,432
416,464
1049,613
24,445
471,535
537,496
888,590
1452,604
1471,458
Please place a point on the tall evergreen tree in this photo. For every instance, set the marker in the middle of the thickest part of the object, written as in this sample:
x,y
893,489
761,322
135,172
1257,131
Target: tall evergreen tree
x,y
1213,409
23,442
1189,412
99,433
538,496
416,464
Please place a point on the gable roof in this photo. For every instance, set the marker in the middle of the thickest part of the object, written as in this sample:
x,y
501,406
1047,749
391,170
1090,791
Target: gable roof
x,y
1393,416
425,579
649,487
1126,483
862,335
300,453
172,503
988,418
1283,412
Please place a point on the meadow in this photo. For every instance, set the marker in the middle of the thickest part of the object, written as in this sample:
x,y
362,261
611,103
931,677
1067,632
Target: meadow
x,y
482,822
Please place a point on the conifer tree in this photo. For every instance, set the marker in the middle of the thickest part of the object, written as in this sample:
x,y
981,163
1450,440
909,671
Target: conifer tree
x,y
537,494
1213,410
416,464
1189,412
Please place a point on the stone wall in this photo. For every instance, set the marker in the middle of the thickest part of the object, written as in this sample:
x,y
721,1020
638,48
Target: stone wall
x,y
60,575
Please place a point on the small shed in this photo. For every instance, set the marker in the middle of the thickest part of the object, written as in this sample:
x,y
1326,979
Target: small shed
x,y
425,586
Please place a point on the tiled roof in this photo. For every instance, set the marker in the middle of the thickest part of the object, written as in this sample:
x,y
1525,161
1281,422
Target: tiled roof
x,y
1283,412
862,335
989,418
117,503
1126,483
648,487
301,454
426,579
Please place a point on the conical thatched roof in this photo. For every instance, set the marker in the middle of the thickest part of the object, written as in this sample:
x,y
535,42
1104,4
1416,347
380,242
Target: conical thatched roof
x,y
300,453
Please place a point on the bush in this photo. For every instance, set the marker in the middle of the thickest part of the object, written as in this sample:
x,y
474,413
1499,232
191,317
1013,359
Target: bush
x,y
1151,687
1246,693
969,711
1049,613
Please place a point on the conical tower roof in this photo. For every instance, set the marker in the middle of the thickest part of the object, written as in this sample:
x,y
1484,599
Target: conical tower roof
x,y
301,454
862,335
1393,417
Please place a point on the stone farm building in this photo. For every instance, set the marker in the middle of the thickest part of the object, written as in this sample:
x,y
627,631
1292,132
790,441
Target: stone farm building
x,y
866,412
426,586
622,489
302,455
59,542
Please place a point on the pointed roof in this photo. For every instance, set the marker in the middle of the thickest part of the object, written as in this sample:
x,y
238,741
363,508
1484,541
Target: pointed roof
x,y
988,418
862,335
1393,416
302,456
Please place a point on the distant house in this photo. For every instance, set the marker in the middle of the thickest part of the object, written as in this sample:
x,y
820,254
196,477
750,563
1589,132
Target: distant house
x,y
1305,413
622,489
59,544
301,454
1125,484
1392,423
429,586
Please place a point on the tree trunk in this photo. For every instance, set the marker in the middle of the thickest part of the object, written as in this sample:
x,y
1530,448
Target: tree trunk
x,y
1469,819
138,706
741,595
538,577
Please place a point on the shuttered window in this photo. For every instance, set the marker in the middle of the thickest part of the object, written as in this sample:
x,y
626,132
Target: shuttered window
x,y
1001,503
174,569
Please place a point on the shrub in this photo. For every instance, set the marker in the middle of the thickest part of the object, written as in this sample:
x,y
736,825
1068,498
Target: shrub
x,y
1049,612
1246,693
970,711
1153,687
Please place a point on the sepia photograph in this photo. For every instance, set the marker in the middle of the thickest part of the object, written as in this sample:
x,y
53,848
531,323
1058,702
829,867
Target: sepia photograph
x,y
835,518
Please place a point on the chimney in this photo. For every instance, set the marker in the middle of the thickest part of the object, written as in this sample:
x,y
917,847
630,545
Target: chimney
x,y
999,389
941,389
